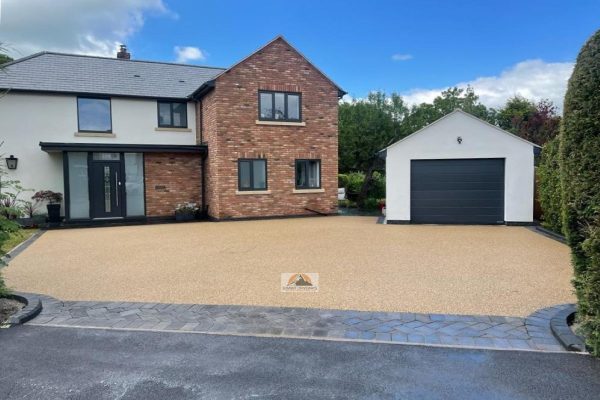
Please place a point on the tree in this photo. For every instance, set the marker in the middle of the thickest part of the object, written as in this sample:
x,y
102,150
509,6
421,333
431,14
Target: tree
x,y
580,179
369,125
4,59
537,123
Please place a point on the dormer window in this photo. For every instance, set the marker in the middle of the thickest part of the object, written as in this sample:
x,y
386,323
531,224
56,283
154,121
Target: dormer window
x,y
172,114
279,106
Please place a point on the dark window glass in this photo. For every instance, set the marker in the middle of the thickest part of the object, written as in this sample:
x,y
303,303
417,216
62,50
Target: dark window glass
x,y
266,106
245,177
94,115
172,115
279,106
252,174
308,174
293,106
164,114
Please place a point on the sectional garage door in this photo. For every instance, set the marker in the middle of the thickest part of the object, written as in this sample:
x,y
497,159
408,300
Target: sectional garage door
x,y
458,191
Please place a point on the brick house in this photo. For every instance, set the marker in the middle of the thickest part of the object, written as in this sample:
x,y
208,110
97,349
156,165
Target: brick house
x,y
129,140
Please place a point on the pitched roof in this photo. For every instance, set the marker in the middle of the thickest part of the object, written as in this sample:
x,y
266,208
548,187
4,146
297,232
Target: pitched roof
x,y
341,92
58,72
459,111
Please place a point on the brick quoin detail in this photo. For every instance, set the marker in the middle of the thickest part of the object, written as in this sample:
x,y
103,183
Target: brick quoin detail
x,y
170,179
229,128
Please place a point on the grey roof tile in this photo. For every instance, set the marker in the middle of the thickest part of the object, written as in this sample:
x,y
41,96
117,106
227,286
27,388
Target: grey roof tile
x,y
56,72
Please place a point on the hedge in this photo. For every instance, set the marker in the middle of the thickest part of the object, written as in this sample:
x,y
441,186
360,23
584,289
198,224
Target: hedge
x,y
550,193
580,179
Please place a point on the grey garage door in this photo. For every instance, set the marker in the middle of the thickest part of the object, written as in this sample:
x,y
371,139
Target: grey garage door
x,y
464,191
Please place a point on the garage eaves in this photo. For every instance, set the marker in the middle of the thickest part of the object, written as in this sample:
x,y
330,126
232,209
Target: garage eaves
x,y
536,148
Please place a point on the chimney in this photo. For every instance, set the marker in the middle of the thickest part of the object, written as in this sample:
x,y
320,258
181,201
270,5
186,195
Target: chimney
x,y
123,53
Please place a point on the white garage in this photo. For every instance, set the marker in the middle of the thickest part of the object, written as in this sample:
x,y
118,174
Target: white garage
x,y
460,170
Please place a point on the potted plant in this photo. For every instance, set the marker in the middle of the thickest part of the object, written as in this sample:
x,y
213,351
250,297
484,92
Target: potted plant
x,y
186,211
53,200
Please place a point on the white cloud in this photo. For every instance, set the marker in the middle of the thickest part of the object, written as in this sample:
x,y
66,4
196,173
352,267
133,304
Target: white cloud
x,y
188,53
532,79
402,57
93,27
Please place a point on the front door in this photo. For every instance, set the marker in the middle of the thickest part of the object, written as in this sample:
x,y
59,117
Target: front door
x,y
106,189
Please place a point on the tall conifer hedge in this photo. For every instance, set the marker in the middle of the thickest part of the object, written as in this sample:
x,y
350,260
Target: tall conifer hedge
x,y
580,180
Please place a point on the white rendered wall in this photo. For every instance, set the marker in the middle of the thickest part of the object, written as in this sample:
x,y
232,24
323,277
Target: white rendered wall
x,y
28,119
479,140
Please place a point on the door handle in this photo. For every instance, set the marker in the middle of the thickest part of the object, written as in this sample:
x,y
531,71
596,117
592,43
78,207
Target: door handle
x,y
117,183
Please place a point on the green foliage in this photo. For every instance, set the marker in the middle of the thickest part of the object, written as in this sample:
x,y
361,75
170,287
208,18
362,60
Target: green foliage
x,y
580,179
550,192
516,110
378,186
6,228
537,123
353,182
4,59
367,126
347,203
371,203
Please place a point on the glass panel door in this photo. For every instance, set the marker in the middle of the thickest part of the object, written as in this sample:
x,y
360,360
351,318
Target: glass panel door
x,y
134,184
106,186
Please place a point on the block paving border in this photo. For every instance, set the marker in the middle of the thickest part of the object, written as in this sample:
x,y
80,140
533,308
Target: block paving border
x,y
490,332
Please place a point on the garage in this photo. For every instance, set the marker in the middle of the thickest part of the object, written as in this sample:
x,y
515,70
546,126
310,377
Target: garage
x,y
460,170
457,191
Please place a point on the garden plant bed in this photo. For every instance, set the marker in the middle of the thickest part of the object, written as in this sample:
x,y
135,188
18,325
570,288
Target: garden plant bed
x,y
8,307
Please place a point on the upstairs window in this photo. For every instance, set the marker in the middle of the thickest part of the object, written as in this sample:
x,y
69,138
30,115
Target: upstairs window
x,y
279,106
252,174
93,115
308,174
172,114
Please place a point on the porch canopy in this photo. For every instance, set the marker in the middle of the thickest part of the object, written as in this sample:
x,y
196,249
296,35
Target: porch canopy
x,y
51,147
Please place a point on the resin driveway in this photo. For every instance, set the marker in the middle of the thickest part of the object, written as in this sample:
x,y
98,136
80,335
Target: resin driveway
x,y
478,270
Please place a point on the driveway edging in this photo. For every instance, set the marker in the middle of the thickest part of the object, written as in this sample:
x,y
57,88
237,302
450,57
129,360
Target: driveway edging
x,y
33,307
469,331
559,325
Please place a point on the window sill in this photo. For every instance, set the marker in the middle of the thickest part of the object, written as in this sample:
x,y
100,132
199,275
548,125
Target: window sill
x,y
159,129
280,123
251,192
95,134
306,191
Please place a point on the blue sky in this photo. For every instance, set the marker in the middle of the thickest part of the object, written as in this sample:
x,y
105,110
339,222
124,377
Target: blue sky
x,y
500,47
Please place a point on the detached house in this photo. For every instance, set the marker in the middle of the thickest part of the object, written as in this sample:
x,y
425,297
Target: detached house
x,y
129,139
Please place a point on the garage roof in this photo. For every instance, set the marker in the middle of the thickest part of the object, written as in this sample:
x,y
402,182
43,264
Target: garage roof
x,y
459,111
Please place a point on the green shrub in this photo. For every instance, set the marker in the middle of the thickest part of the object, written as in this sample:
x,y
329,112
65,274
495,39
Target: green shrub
x,y
6,228
580,179
550,192
371,203
347,203
377,186
354,182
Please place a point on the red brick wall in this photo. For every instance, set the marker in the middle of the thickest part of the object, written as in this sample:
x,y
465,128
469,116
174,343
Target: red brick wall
x,y
171,178
231,133
208,134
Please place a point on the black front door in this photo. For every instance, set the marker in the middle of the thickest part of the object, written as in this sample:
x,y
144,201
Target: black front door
x,y
106,189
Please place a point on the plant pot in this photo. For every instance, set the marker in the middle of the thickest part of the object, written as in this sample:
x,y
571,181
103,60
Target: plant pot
x,y
53,213
184,217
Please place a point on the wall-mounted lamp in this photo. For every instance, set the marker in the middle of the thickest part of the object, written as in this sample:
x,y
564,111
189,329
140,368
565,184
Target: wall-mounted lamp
x,y
11,162
459,140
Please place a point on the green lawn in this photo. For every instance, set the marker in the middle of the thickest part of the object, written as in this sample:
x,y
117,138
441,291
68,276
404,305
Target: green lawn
x,y
17,238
